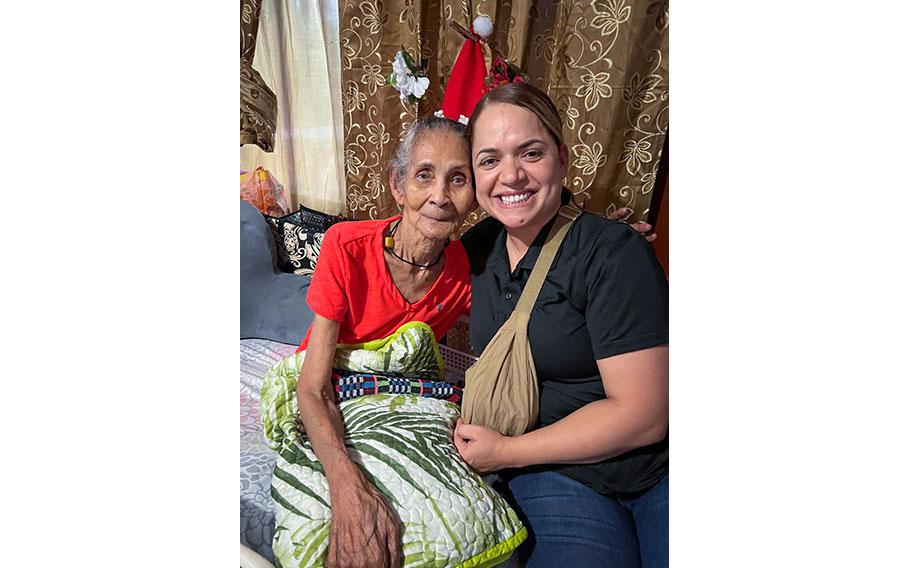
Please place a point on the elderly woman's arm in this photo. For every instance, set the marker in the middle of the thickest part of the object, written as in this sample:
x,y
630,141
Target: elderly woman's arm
x,y
364,531
634,414
642,227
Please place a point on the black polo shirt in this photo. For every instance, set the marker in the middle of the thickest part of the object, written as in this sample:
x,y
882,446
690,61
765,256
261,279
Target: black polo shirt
x,y
605,295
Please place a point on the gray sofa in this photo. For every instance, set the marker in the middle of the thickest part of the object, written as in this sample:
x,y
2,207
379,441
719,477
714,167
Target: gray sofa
x,y
272,302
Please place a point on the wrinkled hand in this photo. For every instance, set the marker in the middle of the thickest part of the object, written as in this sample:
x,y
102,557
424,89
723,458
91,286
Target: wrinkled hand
x,y
480,447
641,226
365,533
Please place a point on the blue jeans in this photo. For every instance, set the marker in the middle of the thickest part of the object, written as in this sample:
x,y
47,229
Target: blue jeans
x,y
573,526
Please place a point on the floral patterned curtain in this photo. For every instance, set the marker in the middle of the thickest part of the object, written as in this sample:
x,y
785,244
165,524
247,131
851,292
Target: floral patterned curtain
x,y
258,105
603,62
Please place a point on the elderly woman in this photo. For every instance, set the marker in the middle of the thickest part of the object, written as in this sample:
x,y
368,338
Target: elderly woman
x,y
590,480
366,285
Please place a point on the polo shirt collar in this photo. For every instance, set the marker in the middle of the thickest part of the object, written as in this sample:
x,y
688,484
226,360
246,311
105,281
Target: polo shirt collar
x,y
526,264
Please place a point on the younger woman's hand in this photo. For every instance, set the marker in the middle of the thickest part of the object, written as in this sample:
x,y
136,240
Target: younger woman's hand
x,y
480,447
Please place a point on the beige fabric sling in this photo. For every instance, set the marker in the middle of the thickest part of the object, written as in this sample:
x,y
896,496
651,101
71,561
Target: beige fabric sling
x,y
501,386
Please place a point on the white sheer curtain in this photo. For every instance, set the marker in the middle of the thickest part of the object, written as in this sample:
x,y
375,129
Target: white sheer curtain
x,y
298,56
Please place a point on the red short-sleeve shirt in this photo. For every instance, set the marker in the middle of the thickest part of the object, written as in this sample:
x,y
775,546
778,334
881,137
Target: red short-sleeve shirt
x,y
352,286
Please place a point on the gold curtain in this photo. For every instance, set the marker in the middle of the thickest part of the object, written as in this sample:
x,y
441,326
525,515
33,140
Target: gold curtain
x,y
604,63
297,53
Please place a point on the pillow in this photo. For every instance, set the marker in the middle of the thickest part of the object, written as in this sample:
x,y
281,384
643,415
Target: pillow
x,y
403,445
298,238
298,248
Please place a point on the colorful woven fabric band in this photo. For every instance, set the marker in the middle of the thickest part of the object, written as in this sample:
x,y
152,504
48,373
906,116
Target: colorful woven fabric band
x,y
353,385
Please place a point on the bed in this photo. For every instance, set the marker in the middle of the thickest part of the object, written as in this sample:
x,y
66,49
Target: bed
x,y
257,520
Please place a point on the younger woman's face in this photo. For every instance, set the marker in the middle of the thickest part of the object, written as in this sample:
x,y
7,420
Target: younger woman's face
x,y
518,167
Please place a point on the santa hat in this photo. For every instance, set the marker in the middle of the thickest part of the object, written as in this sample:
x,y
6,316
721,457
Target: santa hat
x,y
466,83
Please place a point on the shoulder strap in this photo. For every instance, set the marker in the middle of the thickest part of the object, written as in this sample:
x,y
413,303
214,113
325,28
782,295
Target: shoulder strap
x,y
567,214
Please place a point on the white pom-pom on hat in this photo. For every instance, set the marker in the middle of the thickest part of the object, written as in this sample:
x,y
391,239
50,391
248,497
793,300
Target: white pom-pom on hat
x,y
483,26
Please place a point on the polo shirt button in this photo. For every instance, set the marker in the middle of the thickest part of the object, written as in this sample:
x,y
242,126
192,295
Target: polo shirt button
x,y
508,296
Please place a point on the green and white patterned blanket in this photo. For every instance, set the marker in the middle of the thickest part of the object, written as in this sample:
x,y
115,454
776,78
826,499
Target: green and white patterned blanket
x,y
403,444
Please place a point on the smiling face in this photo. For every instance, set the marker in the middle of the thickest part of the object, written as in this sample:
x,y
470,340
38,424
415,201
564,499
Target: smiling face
x,y
435,192
518,168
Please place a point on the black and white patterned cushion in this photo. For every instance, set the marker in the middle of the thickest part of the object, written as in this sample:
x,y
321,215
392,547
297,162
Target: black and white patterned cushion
x,y
302,247
298,238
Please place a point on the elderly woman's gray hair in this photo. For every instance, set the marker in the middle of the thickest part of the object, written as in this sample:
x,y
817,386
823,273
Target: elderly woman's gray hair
x,y
398,165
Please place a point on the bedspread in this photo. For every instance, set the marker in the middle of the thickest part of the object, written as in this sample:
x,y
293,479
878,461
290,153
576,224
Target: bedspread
x,y
403,446
257,519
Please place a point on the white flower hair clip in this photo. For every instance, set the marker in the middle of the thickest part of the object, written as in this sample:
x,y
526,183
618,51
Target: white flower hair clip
x,y
410,80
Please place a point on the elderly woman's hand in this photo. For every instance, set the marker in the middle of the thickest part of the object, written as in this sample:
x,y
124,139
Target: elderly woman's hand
x,y
365,531
480,447
641,226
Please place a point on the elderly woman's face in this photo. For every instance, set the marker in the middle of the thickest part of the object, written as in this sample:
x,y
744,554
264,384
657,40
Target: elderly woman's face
x,y
518,167
436,193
